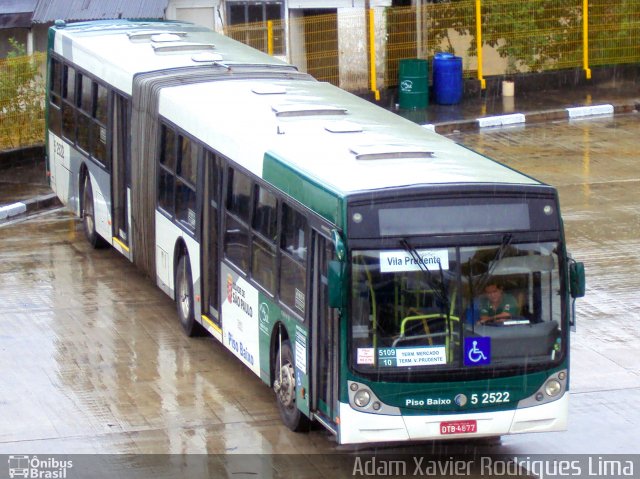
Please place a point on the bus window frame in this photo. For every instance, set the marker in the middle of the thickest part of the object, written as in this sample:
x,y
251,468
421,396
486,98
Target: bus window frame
x,y
101,123
281,200
290,256
84,119
232,215
68,103
89,114
269,238
55,96
195,188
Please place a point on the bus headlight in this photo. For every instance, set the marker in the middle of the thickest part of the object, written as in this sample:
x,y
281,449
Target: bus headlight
x,y
553,387
362,398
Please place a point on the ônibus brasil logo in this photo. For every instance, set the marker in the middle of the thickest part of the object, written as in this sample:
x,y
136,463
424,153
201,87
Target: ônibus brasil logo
x,y
34,467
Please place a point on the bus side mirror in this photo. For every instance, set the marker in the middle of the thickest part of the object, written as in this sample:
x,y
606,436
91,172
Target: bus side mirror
x,y
336,286
576,279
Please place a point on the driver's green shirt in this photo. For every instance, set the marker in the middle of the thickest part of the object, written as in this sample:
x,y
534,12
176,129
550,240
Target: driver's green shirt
x,y
507,305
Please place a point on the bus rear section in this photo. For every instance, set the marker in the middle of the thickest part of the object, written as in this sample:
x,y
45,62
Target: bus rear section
x,y
429,354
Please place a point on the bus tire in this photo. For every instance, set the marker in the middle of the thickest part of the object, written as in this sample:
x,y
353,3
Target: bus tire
x,y
184,299
88,215
284,385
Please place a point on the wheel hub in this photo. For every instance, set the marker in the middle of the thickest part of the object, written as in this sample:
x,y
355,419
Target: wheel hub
x,y
183,297
285,385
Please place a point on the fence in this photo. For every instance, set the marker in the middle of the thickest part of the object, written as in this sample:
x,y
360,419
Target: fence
x,y
359,50
614,32
21,101
493,37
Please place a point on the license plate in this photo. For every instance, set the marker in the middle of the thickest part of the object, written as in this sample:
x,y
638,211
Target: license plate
x,y
458,427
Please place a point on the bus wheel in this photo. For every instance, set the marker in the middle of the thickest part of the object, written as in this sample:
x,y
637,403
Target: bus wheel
x,y
88,215
184,299
284,386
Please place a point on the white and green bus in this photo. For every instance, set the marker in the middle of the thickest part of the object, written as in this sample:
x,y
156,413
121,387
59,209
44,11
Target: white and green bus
x,y
342,253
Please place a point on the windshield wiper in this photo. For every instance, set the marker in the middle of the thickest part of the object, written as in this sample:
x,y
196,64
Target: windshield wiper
x,y
507,238
440,291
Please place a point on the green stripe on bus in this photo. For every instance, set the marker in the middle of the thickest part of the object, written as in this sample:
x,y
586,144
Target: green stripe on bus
x,y
311,193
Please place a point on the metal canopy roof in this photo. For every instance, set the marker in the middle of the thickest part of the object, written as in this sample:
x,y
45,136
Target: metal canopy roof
x,y
16,13
47,11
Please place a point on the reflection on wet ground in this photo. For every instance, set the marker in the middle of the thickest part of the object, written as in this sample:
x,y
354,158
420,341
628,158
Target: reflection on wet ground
x,y
99,361
94,361
21,181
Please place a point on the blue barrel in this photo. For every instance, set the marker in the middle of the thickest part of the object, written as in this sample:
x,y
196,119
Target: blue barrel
x,y
447,79
413,83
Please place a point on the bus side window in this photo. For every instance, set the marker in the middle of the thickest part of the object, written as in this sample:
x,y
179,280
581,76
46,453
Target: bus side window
x,y
99,126
239,197
85,108
168,148
236,236
69,104
293,245
55,101
265,226
186,182
167,180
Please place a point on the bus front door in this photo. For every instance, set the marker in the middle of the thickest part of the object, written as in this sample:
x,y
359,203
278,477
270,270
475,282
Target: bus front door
x,y
210,232
325,335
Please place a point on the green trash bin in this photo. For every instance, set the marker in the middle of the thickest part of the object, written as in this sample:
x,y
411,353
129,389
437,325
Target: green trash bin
x,y
413,84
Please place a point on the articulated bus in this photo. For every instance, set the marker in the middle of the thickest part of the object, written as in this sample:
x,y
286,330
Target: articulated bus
x,y
348,257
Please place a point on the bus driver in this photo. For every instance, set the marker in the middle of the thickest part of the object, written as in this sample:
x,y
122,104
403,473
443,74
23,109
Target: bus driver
x,y
496,306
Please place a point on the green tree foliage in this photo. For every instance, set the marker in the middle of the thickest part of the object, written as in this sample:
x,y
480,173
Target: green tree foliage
x,y
531,35
21,99
614,32
534,36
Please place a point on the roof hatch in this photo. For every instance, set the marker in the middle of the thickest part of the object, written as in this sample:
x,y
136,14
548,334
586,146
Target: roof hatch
x,y
390,152
269,90
182,47
300,109
206,57
154,34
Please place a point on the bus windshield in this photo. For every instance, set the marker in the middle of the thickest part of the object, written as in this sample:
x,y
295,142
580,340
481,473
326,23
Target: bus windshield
x,y
435,309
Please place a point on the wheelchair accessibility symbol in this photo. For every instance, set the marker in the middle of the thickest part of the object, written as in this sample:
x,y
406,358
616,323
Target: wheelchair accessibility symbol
x,y
477,351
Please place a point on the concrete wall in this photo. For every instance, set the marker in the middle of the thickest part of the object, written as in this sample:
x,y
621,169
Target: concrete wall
x,y
207,13
352,49
353,55
295,40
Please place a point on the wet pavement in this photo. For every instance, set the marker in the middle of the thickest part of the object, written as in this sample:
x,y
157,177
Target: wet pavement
x,y
538,105
22,181
94,361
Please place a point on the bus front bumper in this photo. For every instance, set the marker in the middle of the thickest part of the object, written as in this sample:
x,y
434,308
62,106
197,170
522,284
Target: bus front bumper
x,y
357,427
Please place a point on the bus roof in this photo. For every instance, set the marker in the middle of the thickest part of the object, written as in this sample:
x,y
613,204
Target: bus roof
x,y
116,50
326,134
329,135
